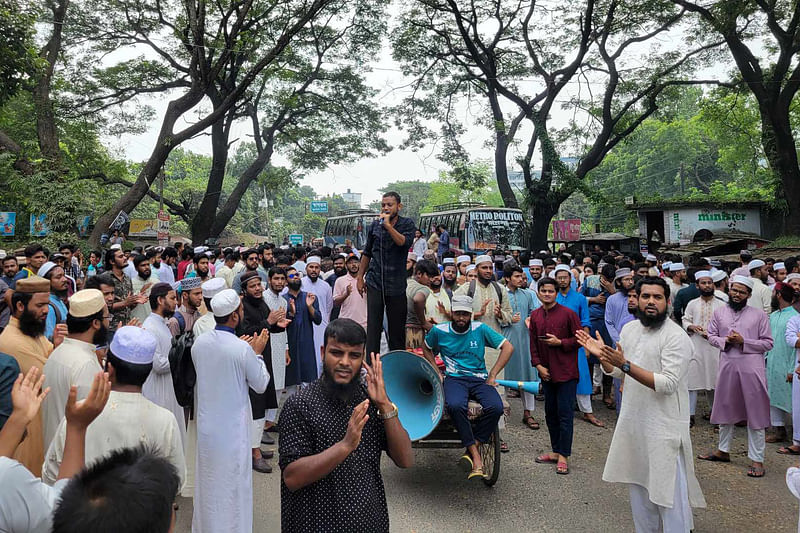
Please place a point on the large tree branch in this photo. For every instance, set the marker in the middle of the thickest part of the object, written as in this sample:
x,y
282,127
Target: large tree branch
x,y
174,208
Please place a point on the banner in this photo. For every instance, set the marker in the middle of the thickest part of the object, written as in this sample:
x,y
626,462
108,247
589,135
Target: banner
x,y
121,220
143,227
83,225
163,228
39,226
8,223
567,230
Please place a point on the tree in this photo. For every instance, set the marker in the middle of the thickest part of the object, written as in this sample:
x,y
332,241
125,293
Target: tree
x,y
18,57
452,50
762,37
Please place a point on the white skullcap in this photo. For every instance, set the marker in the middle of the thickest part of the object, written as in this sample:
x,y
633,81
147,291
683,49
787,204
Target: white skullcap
x,y
665,265
535,263
719,275
213,287
116,247
3,254
561,267
313,260
463,259
134,345
793,275
779,266
448,261
225,302
483,259
755,263
703,274
200,249
651,257
45,268
743,280
470,268
674,267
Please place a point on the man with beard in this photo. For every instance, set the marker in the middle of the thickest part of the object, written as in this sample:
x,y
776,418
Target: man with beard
x,y
315,285
338,270
202,267
651,449
278,340
353,304
720,279
462,262
534,273
158,388
161,269
250,264
417,292
780,362
333,433
760,294
141,284
124,297
257,317
438,303
618,312
191,298
704,363
742,334
267,258
779,272
74,362
24,340
10,270
225,270
303,310
57,314
462,345
449,275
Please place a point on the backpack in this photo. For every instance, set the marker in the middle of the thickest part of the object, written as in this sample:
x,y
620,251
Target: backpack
x,y
59,318
498,290
184,376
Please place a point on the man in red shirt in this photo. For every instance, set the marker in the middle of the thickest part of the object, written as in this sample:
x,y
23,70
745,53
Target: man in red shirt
x,y
554,353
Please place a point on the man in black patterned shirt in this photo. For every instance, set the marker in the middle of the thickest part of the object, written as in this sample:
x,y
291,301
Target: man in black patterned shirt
x,y
332,434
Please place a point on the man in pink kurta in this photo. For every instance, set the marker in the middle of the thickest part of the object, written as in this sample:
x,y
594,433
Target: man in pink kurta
x,y
743,335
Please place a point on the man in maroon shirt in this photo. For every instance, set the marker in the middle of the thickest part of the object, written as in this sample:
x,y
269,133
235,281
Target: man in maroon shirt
x,y
554,353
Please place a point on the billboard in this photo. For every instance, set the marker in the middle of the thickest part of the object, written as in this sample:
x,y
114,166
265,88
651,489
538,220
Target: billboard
x,y
8,223
320,206
143,227
39,226
567,230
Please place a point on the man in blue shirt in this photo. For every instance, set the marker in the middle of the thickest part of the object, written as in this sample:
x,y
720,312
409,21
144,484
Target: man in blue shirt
x,y
57,313
578,303
461,344
444,240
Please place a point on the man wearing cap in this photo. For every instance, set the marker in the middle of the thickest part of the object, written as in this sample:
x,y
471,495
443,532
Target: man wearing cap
x,y
462,345
676,280
686,294
462,261
617,313
704,364
779,272
303,311
250,257
449,275
128,419
353,304
534,273
720,279
141,283
158,388
227,367
74,362
780,362
202,265
57,314
312,283
191,296
24,340
411,260
761,294
742,334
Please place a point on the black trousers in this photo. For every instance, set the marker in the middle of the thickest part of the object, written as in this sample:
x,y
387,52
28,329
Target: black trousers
x,y
395,308
559,404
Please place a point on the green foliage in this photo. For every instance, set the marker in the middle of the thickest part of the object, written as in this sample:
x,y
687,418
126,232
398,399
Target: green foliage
x,y
19,61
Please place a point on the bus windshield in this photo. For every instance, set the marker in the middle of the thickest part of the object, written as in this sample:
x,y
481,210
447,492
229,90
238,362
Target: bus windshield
x,y
492,229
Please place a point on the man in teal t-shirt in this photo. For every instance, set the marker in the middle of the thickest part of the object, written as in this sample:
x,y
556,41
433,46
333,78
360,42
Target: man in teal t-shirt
x,y
461,344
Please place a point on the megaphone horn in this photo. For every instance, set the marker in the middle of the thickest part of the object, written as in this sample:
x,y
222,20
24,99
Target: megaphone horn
x,y
531,387
413,384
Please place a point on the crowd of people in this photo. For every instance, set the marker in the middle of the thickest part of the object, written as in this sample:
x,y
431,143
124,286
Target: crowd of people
x,y
140,375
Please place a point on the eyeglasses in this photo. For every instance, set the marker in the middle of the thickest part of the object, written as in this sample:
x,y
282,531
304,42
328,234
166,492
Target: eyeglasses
x,y
295,276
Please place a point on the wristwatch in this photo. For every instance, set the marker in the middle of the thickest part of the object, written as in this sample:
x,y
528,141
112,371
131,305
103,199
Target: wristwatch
x,y
626,367
390,414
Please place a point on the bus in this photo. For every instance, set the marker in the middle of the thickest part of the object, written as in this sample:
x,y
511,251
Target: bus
x,y
475,228
351,225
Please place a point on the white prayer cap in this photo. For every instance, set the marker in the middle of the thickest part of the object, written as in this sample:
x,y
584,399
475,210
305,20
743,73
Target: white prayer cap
x,y
213,287
45,268
793,275
778,266
622,272
462,302
133,345
200,249
483,259
665,265
463,259
225,302
651,257
412,256
715,263
561,267
719,275
675,267
748,282
755,263
535,263
86,303
470,268
544,252
209,253
702,274
448,261
313,260
3,254
116,247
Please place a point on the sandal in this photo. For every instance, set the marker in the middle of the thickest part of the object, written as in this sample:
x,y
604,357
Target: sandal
x,y
530,422
756,471
714,458
788,450
476,473
546,458
562,468
504,447
465,463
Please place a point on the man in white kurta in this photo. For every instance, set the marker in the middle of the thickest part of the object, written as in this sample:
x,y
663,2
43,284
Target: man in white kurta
x,y
128,418
761,296
142,281
313,283
651,449
226,367
158,388
279,342
74,361
705,358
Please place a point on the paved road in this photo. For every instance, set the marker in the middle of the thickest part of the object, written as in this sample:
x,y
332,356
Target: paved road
x,y
434,495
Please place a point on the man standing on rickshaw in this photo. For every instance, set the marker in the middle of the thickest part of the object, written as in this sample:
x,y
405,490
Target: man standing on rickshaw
x,y
461,344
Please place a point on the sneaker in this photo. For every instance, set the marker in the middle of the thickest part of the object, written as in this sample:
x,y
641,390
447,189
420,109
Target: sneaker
x,y
261,465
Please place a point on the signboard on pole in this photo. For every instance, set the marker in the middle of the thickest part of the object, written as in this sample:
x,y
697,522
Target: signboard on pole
x,y
143,227
567,230
319,206
163,228
295,239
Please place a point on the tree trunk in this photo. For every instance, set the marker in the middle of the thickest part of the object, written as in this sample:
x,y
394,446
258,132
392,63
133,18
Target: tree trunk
x,y
206,213
501,152
540,214
46,130
781,152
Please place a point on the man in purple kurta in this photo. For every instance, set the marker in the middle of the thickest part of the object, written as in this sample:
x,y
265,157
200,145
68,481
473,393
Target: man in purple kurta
x,y
743,335
619,311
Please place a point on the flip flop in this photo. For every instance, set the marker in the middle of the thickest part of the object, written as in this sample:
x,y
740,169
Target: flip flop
x,y
562,468
714,458
787,450
546,458
465,463
504,447
756,471
530,422
476,474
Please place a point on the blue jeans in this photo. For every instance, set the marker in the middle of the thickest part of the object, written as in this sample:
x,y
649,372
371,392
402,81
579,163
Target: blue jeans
x,y
559,400
457,392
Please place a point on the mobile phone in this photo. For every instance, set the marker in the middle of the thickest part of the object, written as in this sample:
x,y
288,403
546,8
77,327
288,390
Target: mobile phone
x,y
543,337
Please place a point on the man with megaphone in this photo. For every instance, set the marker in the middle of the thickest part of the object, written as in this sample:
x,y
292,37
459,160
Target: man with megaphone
x,y
462,344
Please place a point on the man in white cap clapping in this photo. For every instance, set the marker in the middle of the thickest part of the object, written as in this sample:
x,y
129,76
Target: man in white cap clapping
x,y
210,289
761,295
313,283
